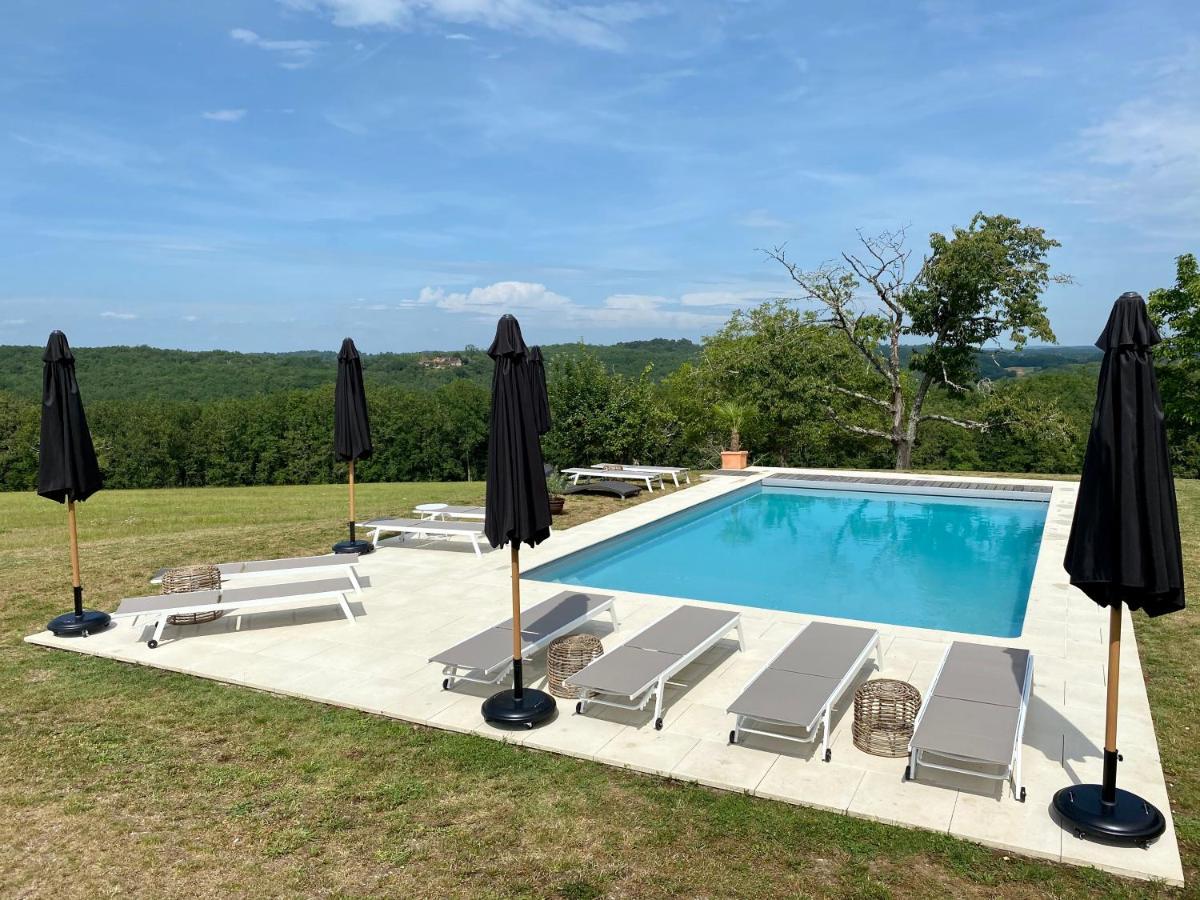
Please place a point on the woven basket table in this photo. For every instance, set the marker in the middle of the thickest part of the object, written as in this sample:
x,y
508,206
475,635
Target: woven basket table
x,y
566,656
884,713
183,579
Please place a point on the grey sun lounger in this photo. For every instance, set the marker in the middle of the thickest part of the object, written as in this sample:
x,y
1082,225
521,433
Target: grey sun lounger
x,y
673,471
642,667
618,489
799,686
487,657
473,513
291,566
973,717
425,528
235,600
646,478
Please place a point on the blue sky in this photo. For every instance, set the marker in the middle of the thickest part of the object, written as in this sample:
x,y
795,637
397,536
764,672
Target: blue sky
x,y
264,175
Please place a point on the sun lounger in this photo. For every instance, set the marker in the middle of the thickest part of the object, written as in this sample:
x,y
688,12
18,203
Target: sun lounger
x,y
673,471
646,478
425,528
472,513
486,658
974,714
642,667
257,568
799,686
617,489
235,600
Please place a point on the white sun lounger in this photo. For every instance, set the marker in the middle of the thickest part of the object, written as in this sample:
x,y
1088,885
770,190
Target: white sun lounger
x,y
234,600
257,568
471,513
973,717
673,471
646,478
425,528
799,686
642,667
487,657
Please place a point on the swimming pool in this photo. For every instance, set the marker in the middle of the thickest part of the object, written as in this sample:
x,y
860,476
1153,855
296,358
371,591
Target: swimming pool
x,y
950,563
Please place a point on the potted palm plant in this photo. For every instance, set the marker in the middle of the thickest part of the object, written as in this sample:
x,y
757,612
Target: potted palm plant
x,y
734,416
555,485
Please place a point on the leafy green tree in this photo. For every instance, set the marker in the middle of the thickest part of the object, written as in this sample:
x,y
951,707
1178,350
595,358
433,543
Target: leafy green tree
x,y
979,285
1176,311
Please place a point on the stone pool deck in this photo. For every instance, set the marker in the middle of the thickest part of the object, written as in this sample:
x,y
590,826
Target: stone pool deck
x,y
425,596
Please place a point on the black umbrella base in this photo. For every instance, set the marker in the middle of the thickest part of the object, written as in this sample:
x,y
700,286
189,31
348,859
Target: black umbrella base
x,y
1131,820
532,708
360,547
71,625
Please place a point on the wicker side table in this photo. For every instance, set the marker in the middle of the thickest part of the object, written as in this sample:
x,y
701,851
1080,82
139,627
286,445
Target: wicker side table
x,y
884,713
566,656
192,578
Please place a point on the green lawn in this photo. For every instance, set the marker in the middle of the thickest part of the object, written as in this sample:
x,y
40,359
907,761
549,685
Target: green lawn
x,y
121,780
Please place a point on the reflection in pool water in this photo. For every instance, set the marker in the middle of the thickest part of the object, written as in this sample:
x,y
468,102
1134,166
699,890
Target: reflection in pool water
x,y
957,564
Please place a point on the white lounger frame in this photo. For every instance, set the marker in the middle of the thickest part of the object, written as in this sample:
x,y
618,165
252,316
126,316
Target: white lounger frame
x,y
823,716
346,568
647,478
233,608
656,688
497,673
424,530
1013,770
440,515
673,471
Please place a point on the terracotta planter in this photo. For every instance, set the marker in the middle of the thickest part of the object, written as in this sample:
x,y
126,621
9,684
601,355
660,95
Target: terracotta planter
x,y
734,459
556,505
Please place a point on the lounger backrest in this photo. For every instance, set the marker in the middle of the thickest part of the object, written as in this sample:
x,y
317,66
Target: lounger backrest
x,y
983,674
683,629
132,606
295,562
424,525
559,611
824,649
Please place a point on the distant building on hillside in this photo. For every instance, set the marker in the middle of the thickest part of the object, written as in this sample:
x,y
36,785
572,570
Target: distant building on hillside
x,y
440,362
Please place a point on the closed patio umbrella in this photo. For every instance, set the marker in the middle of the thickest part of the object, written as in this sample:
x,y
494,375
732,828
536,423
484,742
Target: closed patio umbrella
x,y
67,468
541,397
1124,545
517,509
351,430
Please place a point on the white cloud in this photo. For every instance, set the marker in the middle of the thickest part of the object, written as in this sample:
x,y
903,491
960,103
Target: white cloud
x,y
763,218
723,298
13,322
592,26
459,36
293,54
225,115
503,296
191,318
109,314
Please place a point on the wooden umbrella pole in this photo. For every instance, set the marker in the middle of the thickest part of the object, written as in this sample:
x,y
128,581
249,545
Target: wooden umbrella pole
x,y
1109,788
514,555
76,582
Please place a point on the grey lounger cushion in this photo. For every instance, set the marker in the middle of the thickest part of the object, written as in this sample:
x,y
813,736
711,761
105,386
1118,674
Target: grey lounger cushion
x,y
461,511
161,602
614,488
644,657
494,646
798,683
973,708
258,566
424,525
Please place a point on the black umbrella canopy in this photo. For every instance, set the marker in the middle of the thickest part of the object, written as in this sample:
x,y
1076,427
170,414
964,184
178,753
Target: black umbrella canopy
x,y
518,505
351,425
1124,544
67,466
541,397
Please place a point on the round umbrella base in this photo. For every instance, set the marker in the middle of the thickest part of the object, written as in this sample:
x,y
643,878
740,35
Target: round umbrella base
x,y
1131,820
532,708
360,547
71,625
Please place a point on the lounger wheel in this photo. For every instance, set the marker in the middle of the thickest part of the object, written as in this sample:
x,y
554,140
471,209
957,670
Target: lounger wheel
x,y
658,724
828,755
445,684
908,773
579,707
1022,796
151,643
733,736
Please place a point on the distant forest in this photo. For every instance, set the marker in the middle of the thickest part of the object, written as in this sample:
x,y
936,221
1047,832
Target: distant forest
x,y
137,373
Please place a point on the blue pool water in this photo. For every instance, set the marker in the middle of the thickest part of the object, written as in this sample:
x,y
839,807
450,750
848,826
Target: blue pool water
x,y
955,564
